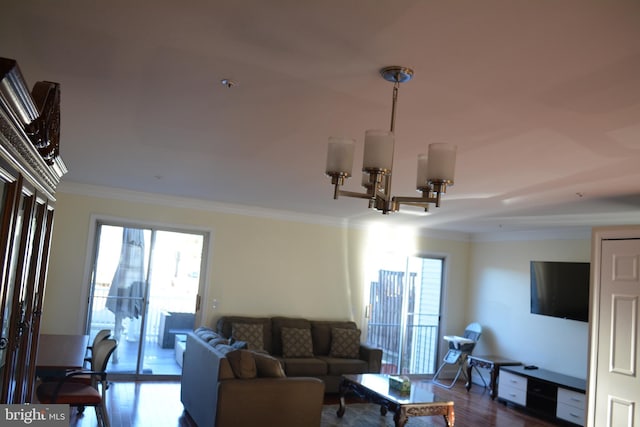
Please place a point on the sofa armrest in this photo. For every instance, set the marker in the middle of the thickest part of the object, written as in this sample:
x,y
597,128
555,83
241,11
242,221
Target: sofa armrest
x,y
197,391
373,357
282,402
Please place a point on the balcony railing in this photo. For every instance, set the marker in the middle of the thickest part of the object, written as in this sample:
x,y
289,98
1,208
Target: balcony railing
x,y
419,347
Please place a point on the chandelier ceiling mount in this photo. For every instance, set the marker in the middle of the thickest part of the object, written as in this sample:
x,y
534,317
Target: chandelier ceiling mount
x,y
396,74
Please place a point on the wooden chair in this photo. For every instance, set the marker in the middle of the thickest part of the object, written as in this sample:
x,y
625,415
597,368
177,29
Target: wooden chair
x,y
80,393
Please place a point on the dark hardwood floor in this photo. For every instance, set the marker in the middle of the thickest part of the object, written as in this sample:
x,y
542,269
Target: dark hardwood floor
x,y
157,404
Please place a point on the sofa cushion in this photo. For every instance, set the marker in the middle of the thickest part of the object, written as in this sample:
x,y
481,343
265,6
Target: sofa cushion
x,y
296,342
224,370
321,334
340,366
242,363
277,323
345,343
268,366
304,367
224,327
251,333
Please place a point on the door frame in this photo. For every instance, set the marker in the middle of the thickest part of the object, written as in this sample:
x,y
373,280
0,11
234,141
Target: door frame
x,y
367,310
598,235
201,314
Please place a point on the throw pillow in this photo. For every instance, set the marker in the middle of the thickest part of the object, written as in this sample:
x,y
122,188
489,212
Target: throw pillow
x,y
345,343
218,341
251,333
268,366
240,345
296,342
242,364
208,336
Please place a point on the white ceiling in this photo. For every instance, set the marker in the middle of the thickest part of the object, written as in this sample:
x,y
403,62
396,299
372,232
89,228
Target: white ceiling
x,y
542,98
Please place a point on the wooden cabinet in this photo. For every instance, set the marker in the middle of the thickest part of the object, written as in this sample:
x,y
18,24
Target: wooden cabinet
x,y
513,388
571,406
30,170
544,393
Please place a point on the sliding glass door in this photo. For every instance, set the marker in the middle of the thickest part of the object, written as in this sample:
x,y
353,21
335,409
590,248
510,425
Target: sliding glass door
x,y
404,313
145,288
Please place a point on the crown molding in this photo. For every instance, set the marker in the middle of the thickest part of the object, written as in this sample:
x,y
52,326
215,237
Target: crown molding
x,y
191,203
576,233
122,194
572,233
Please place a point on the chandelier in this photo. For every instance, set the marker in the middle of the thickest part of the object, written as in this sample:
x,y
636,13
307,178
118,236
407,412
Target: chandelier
x,y
435,169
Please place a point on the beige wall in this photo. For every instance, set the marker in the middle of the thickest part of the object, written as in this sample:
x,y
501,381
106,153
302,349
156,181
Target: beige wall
x,y
500,295
257,265
266,266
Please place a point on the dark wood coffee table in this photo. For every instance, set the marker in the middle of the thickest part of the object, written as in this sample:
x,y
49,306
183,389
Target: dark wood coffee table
x,y
420,402
492,363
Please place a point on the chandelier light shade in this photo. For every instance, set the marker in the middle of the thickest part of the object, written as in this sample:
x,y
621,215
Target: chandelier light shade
x,y
435,169
441,163
422,181
340,156
378,151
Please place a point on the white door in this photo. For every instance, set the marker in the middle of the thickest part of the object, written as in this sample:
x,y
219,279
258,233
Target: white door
x,y
616,384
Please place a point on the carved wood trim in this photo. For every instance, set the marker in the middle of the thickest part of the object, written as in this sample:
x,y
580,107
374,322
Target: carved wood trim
x,y
30,128
44,131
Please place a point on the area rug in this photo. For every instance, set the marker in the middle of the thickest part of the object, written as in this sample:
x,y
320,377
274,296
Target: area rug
x,y
365,415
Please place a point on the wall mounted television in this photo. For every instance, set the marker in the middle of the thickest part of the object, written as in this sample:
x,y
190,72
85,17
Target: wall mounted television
x,y
560,289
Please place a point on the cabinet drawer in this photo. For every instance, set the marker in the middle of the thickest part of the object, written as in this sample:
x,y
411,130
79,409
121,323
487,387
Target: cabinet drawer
x,y
512,394
512,380
571,398
570,413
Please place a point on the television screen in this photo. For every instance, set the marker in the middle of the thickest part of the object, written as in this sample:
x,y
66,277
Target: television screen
x,y
560,289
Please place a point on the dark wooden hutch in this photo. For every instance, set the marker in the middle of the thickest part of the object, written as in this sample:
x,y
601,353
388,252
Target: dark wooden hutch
x,y
30,170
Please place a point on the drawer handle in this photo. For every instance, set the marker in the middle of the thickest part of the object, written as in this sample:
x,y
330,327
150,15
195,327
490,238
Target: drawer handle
x,y
512,394
574,415
575,399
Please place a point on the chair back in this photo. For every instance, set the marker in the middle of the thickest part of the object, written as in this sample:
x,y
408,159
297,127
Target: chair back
x,y
472,332
102,334
102,353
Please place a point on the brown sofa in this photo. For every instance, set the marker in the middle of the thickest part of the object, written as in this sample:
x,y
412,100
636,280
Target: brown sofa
x,y
335,347
223,386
